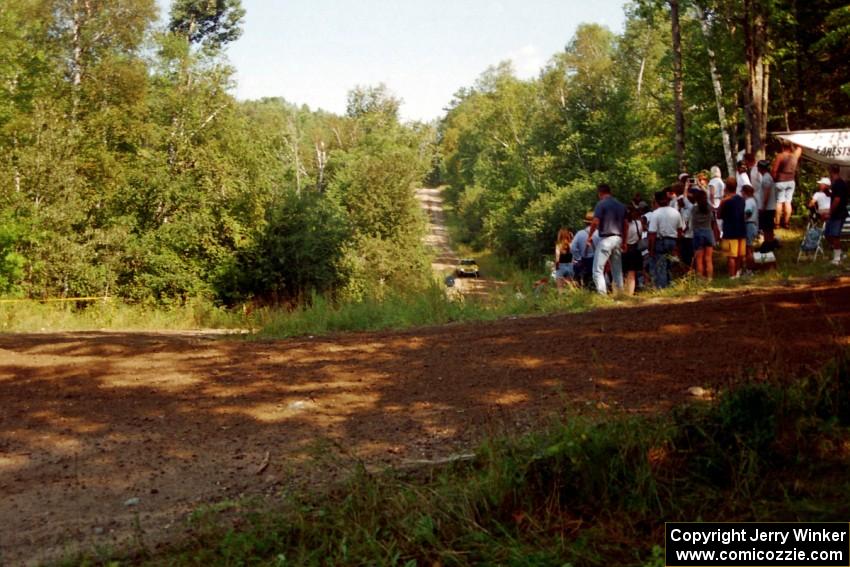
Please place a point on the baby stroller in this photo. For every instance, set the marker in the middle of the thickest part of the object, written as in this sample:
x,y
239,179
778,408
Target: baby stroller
x,y
812,243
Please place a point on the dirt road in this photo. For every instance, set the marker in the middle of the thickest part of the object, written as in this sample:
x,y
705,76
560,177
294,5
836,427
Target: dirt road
x,y
107,436
445,258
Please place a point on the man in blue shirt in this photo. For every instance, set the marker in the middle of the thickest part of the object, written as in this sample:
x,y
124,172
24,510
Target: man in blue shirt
x,y
609,219
734,242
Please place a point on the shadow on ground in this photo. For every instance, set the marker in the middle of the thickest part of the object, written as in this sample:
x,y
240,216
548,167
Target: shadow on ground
x,y
90,421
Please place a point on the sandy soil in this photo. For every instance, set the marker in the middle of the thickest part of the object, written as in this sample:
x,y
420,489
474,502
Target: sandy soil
x,y
90,421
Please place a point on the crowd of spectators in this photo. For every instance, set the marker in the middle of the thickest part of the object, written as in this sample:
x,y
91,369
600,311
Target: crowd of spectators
x,y
625,247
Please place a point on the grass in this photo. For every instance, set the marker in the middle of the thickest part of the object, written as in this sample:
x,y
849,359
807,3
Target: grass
x,y
35,316
430,306
592,490
517,296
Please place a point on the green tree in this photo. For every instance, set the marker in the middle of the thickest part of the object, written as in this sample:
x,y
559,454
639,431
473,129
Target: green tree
x,y
209,23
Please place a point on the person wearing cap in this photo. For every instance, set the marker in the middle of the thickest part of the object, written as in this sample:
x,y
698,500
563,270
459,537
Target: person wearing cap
x,y
582,253
609,219
837,212
665,228
821,202
766,199
734,243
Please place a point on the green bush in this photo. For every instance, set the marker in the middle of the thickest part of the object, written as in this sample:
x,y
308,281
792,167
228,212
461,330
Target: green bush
x,y
298,252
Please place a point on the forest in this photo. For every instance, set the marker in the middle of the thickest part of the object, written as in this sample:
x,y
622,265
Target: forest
x,y
129,169
686,85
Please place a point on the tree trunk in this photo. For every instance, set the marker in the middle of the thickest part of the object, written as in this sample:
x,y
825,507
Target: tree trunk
x,y
755,44
640,75
15,168
718,93
321,163
76,56
678,89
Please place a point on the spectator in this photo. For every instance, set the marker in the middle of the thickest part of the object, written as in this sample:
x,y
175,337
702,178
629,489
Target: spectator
x,y
742,178
752,168
716,187
665,228
686,242
751,216
821,202
632,254
678,196
702,181
638,202
766,196
734,241
583,253
837,212
784,173
609,219
564,270
704,225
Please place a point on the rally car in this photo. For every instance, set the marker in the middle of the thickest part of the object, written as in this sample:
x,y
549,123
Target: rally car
x,y
467,267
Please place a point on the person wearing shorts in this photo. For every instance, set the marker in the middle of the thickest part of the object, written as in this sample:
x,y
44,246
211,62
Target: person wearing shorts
x,y
837,213
734,243
784,175
704,226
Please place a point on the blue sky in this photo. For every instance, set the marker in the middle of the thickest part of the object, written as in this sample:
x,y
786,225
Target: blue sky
x,y
315,51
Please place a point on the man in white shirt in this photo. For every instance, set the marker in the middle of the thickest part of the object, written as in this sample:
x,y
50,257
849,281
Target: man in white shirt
x,y
755,178
766,201
752,167
686,242
665,228
715,187
742,177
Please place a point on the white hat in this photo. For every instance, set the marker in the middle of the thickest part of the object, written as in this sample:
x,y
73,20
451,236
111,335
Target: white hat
x,y
825,181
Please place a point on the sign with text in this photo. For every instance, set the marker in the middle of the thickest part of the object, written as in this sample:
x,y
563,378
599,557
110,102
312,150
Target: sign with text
x,y
824,146
692,544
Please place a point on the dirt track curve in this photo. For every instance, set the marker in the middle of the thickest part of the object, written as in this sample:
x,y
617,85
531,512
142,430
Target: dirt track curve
x,y
90,421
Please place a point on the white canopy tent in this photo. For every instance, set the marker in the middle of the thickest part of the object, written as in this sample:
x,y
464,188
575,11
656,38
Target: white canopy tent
x,y
822,146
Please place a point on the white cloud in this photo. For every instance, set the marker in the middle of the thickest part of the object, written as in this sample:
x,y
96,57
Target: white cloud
x,y
527,60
